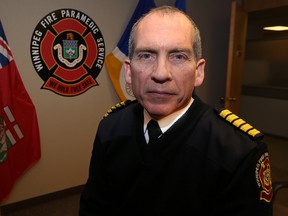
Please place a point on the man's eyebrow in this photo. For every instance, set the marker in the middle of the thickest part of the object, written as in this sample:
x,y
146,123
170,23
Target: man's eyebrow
x,y
145,49
173,50
186,50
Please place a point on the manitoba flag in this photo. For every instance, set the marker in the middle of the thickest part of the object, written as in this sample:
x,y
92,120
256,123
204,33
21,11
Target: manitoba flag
x,y
19,132
114,60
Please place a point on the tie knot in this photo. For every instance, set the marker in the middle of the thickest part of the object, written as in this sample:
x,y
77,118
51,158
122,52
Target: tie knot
x,y
154,130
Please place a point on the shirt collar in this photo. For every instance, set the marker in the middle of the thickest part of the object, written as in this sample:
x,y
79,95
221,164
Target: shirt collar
x,y
166,122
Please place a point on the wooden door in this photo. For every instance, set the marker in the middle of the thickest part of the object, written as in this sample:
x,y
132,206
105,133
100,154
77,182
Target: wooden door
x,y
236,55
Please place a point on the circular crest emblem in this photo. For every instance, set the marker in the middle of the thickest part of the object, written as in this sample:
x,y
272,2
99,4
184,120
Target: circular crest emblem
x,y
67,52
263,177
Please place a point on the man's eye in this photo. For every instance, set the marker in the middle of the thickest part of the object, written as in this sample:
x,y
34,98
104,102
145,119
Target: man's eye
x,y
178,57
145,56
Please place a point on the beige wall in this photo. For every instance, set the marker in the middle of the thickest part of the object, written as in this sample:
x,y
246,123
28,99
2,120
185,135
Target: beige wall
x,y
68,124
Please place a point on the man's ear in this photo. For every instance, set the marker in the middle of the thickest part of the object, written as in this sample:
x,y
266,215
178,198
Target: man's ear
x,y
127,69
200,72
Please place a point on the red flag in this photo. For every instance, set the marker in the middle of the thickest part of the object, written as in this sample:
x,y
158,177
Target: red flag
x,y
19,132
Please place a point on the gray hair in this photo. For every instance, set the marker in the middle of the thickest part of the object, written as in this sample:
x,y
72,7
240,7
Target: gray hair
x,y
197,47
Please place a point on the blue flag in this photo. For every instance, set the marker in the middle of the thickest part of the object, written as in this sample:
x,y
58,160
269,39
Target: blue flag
x,y
181,4
114,60
143,7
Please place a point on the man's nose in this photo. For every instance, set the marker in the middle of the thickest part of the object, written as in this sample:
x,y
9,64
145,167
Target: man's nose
x,y
161,70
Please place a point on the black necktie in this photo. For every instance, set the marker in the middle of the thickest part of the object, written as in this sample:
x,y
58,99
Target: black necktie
x,y
154,130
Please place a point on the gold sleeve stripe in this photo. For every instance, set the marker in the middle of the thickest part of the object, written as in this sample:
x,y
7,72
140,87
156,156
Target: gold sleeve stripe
x,y
232,117
224,113
246,127
254,132
240,123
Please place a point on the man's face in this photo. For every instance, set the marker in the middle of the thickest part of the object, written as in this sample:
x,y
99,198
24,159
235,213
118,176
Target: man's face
x,y
163,71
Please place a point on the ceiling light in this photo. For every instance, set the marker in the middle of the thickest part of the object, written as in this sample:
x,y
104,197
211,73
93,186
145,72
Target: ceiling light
x,y
276,28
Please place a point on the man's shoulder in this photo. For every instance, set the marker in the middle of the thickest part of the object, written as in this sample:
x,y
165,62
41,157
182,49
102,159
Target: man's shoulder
x,y
227,138
119,106
121,114
236,122
122,111
119,119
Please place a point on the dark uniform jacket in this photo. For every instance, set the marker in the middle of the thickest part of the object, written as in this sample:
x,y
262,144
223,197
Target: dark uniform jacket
x,y
202,165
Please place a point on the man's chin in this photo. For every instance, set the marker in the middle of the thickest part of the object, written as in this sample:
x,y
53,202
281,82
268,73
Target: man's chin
x,y
159,111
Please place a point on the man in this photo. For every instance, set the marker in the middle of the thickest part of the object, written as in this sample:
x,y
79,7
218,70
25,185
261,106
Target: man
x,y
200,164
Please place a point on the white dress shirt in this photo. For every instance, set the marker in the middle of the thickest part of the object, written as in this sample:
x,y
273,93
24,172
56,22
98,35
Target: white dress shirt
x,y
166,122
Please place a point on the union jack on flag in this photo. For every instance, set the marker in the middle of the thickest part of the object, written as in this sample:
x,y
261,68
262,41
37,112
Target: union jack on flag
x,y
5,52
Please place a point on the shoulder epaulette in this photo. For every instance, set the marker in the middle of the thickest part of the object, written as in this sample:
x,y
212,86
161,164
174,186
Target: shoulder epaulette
x,y
240,123
117,106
